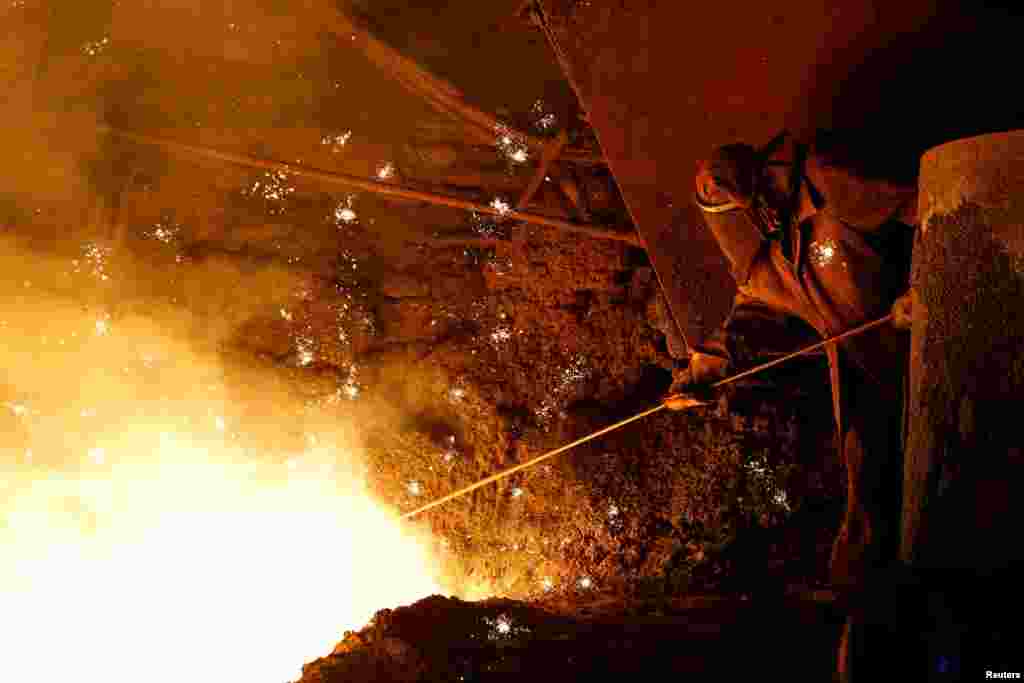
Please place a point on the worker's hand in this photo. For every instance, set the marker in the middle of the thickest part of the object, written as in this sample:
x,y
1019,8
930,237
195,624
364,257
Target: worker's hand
x,y
683,401
902,311
687,393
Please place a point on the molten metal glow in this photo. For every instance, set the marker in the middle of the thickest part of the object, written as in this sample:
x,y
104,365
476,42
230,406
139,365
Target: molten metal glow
x,y
144,542
192,569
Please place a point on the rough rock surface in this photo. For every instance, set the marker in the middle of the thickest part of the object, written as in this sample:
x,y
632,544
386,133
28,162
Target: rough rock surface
x,y
441,639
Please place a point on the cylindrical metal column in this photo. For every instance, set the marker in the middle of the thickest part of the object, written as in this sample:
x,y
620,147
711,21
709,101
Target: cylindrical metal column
x,y
964,464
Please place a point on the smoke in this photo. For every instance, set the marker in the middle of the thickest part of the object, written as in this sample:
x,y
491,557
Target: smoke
x,y
163,505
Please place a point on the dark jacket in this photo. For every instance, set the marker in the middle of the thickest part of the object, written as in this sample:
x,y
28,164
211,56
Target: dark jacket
x,y
839,259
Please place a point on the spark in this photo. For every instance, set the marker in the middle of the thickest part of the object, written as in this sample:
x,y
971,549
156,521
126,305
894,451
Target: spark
x,y
547,585
96,256
19,409
613,510
96,47
344,213
516,492
546,120
585,583
102,327
414,488
165,230
511,144
501,335
823,251
457,393
501,206
503,627
286,315
304,348
273,187
337,142
386,171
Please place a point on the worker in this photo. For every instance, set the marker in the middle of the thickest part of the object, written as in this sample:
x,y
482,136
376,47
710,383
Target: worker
x,y
813,244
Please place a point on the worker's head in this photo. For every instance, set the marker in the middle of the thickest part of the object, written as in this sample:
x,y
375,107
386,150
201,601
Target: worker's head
x,y
739,202
729,176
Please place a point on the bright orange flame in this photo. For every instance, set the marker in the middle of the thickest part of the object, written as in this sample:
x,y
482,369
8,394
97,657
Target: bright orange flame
x,y
189,569
158,548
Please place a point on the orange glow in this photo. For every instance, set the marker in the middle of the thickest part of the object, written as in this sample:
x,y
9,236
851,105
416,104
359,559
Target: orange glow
x,y
157,546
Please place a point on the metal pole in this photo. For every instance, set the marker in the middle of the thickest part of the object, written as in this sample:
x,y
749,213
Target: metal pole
x,y
639,416
357,182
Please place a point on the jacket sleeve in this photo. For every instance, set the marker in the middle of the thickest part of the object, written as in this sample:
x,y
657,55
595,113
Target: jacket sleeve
x,y
752,330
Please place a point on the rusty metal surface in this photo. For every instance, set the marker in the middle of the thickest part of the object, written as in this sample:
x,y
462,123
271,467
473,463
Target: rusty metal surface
x,y
664,82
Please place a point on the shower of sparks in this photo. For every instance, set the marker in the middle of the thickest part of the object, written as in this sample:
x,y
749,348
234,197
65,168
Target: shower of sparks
x,y
386,172
305,350
165,231
512,144
96,47
336,142
501,206
344,214
545,120
823,252
503,627
94,260
350,389
763,474
273,187
501,335
567,382
451,451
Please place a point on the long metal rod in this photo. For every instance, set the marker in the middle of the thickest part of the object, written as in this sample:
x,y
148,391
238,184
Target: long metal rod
x,y
804,351
639,416
531,463
360,183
